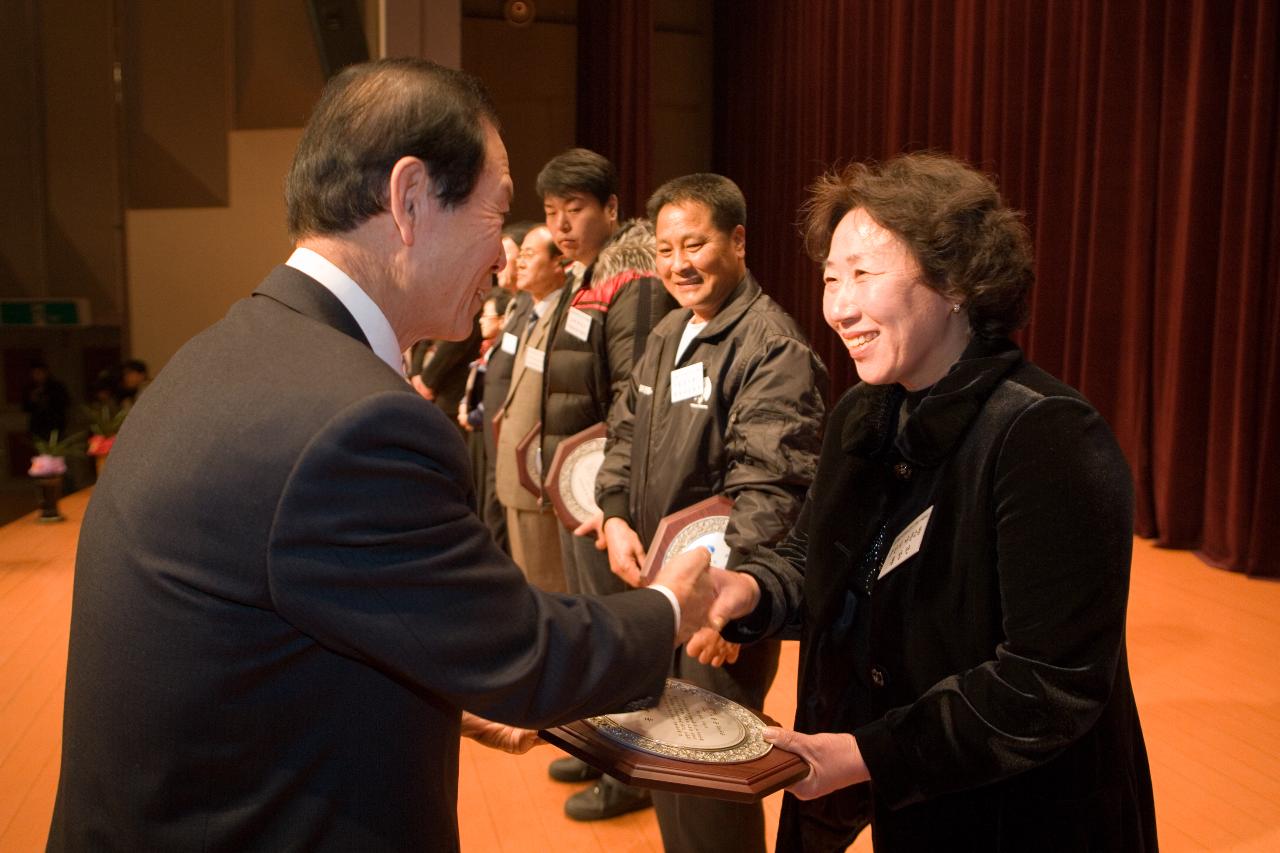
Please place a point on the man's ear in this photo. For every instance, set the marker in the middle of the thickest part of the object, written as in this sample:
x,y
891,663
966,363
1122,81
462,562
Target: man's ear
x,y
739,239
611,208
409,196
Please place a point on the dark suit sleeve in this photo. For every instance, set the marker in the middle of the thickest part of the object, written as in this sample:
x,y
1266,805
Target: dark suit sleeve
x,y
377,554
1064,522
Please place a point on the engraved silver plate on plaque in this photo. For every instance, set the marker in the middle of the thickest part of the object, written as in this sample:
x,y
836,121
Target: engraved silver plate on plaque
x,y
704,533
578,478
690,724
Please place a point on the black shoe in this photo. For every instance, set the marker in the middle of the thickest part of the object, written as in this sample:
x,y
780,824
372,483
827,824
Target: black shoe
x,y
570,769
604,800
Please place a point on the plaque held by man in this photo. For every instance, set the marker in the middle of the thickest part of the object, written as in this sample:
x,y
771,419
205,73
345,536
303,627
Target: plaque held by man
x,y
701,525
571,480
529,461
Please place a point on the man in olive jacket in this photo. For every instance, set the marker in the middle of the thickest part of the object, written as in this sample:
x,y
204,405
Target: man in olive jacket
x,y
726,400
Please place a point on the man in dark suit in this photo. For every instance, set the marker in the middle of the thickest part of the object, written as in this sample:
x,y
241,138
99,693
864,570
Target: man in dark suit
x,y
284,599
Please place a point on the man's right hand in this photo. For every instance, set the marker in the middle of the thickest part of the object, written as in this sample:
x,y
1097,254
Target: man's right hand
x,y
689,578
626,554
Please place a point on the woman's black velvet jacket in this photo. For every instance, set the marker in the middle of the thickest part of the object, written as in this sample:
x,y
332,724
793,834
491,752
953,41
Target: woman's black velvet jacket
x,y
985,676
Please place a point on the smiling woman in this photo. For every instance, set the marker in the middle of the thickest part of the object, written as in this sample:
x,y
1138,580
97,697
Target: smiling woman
x,y
960,572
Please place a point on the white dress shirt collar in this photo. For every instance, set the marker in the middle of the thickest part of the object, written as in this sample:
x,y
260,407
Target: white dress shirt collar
x,y
366,312
547,303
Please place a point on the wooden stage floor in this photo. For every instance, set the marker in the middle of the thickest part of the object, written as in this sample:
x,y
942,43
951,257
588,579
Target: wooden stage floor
x,y
1204,647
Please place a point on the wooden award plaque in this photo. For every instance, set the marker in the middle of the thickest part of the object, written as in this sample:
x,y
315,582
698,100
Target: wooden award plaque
x,y
700,772
529,460
571,482
700,525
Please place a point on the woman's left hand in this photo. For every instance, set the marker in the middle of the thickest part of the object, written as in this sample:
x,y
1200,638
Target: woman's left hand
x,y
711,649
498,735
833,758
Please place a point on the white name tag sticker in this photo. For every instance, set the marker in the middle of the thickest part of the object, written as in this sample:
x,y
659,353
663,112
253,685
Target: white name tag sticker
x,y
534,358
686,383
509,343
578,324
644,389
907,543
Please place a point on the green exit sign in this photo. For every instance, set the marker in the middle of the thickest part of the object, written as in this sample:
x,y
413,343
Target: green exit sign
x,y
44,312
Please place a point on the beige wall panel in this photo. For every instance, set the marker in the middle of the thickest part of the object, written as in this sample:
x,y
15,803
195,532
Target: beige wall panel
x,y
178,94
187,266
531,73
426,29
278,76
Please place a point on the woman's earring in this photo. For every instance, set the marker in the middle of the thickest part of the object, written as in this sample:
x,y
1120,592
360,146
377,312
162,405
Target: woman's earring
x,y
955,308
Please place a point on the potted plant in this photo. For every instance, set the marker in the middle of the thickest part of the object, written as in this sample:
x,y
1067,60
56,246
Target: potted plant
x,y
48,467
104,422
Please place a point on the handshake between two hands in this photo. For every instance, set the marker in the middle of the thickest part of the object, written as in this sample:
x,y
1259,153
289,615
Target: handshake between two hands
x,y
709,598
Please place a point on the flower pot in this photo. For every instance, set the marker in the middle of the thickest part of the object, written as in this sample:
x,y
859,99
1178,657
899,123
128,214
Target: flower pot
x,y
50,491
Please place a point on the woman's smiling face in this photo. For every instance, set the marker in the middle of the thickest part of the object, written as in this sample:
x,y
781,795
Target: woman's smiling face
x,y
895,326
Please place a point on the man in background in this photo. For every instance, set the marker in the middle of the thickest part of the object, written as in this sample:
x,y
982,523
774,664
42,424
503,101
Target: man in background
x,y
726,400
597,335
497,379
531,523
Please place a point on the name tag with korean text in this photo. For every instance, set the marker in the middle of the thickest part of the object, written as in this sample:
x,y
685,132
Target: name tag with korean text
x,y
509,343
534,359
578,324
907,543
686,383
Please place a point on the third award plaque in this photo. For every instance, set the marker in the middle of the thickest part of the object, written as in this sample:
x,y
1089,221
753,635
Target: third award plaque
x,y
571,480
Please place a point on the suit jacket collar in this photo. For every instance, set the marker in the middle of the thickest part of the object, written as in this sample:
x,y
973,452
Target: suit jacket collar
x,y
300,292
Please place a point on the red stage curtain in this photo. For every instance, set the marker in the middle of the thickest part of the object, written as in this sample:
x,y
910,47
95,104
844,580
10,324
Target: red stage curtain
x,y
1140,138
615,53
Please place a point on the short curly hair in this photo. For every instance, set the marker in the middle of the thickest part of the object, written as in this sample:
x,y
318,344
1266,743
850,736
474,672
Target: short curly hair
x,y
971,247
